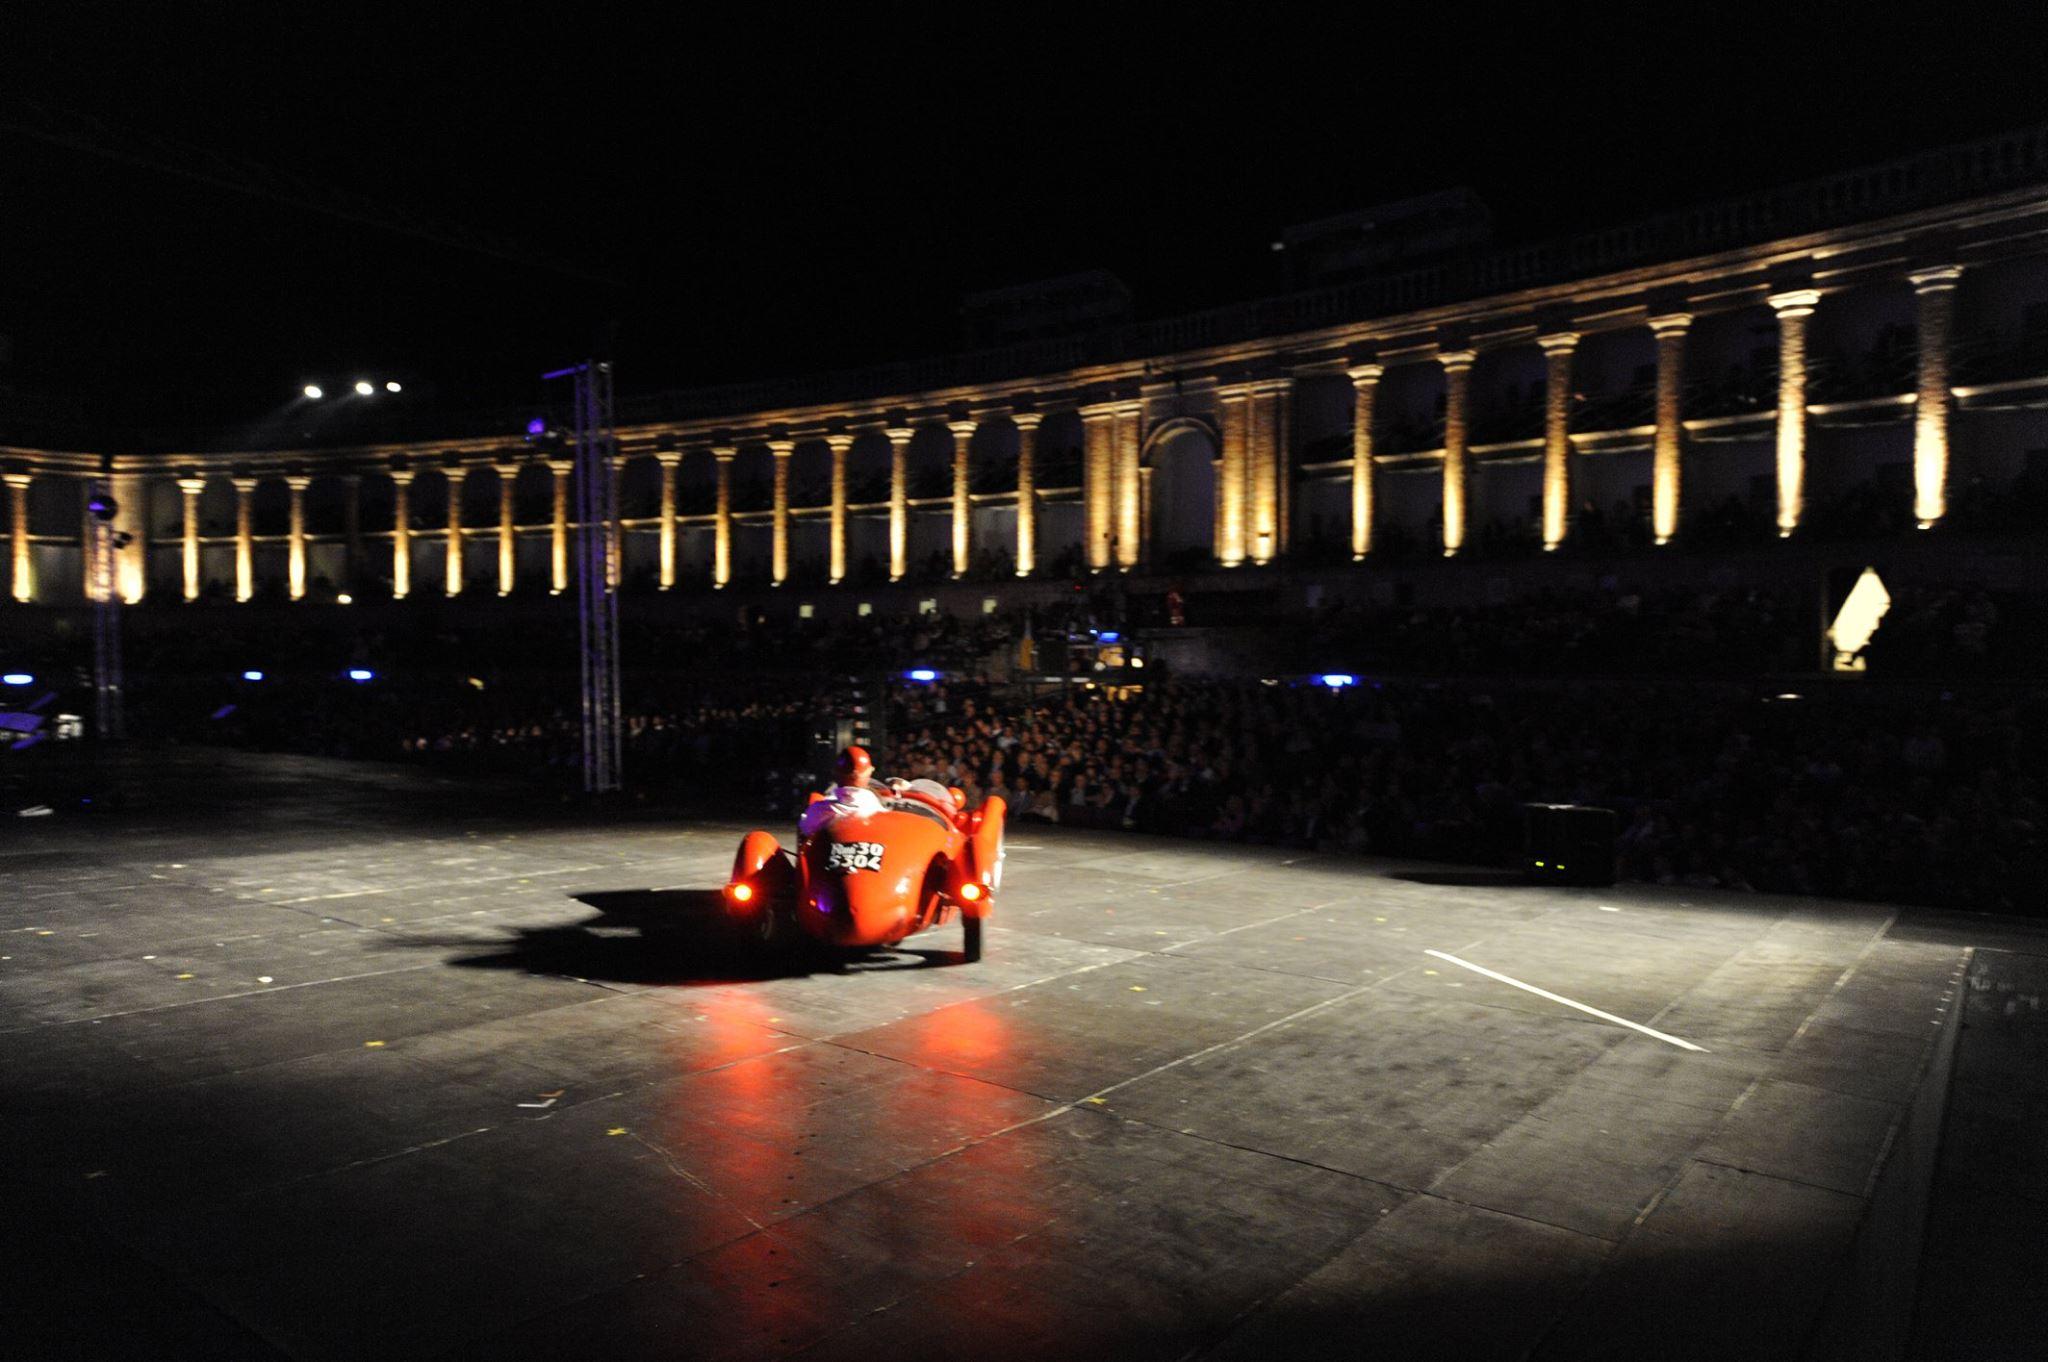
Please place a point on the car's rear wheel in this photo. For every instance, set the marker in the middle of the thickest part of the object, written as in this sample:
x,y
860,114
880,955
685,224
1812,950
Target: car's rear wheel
x,y
971,926
770,929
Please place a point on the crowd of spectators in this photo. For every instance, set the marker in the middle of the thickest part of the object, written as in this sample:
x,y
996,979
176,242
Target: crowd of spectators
x,y
1939,804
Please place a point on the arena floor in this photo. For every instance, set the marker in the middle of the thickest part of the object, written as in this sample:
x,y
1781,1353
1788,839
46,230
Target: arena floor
x,y
321,1061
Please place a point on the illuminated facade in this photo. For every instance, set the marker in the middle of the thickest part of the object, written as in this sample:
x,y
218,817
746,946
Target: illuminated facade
x,y
1741,352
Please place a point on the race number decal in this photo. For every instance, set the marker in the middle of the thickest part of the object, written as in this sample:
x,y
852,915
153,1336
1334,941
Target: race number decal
x,y
850,856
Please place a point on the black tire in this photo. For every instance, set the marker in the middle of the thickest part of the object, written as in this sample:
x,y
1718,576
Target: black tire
x,y
769,930
972,927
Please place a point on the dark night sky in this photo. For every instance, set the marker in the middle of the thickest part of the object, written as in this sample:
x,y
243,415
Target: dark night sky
x,y
810,193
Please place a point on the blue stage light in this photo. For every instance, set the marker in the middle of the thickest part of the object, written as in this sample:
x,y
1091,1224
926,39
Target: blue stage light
x,y
922,674
360,674
1338,680
252,676
18,679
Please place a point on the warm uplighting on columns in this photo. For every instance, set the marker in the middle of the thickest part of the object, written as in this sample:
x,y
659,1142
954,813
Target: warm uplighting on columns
x,y
1126,450
295,553
453,584
1457,387
778,524
1793,309
191,488
669,460
558,545
721,542
1365,387
835,552
245,539
899,502
1027,491
23,572
1266,415
963,502
1558,349
1934,292
1667,472
1098,438
508,528
401,533
1230,481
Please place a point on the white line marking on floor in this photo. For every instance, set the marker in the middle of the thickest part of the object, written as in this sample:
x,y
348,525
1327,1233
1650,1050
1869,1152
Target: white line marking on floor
x,y
1560,998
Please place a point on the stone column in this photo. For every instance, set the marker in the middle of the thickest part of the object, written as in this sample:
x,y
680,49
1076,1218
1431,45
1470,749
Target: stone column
x,y
1027,492
1128,454
1457,388
401,533
1558,349
721,546
558,547
963,501
1667,471
245,547
1793,309
835,566
352,534
899,501
295,565
1266,414
1230,481
453,585
1365,387
1098,437
1144,515
778,525
191,488
24,566
508,528
670,460
1934,293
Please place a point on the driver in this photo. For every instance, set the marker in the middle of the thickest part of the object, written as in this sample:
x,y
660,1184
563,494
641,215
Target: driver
x,y
853,771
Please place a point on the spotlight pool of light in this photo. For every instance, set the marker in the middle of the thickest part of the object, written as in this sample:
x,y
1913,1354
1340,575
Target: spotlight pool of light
x,y
922,674
360,674
392,387
314,391
252,676
1338,680
18,679
364,387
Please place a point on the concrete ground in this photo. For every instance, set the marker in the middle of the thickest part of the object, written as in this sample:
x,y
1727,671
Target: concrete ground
x,y
321,1061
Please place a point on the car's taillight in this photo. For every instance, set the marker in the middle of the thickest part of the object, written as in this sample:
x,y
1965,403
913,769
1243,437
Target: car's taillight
x,y
739,891
970,891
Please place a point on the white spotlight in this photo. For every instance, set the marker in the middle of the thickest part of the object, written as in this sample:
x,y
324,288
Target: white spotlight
x,y
363,387
313,391
392,386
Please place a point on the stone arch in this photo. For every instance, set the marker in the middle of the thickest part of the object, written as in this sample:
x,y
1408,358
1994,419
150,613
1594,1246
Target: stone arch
x,y
1179,460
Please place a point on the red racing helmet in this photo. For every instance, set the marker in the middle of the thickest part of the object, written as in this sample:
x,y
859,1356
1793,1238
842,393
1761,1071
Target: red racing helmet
x,y
854,766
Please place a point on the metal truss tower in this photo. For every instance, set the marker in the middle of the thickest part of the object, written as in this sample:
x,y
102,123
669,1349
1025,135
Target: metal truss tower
x,y
595,443
108,684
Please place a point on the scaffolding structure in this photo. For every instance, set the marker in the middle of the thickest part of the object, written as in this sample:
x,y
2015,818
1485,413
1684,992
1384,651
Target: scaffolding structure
x,y
108,684
594,440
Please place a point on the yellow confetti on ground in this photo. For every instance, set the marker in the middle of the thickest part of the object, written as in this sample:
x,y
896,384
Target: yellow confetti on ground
x,y
1137,988
43,931
1429,971
616,1130
1379,919
1098,1101
373,1045
184,976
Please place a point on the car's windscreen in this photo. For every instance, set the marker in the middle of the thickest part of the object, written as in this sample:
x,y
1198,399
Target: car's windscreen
x,y
920,808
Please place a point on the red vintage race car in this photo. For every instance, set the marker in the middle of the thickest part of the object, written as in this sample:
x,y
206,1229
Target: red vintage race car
x,y
872,878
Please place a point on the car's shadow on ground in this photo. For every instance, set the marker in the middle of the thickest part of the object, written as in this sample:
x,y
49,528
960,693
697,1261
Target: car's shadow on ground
x,y
675,937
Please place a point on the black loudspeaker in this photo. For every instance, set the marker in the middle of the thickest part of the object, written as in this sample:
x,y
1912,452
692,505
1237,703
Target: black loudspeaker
x,y
1569,843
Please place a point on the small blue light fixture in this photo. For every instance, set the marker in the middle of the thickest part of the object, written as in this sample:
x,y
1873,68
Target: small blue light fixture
x,y
361,674
537,426
922,674
1338,680
1108,635
18,679
252,676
